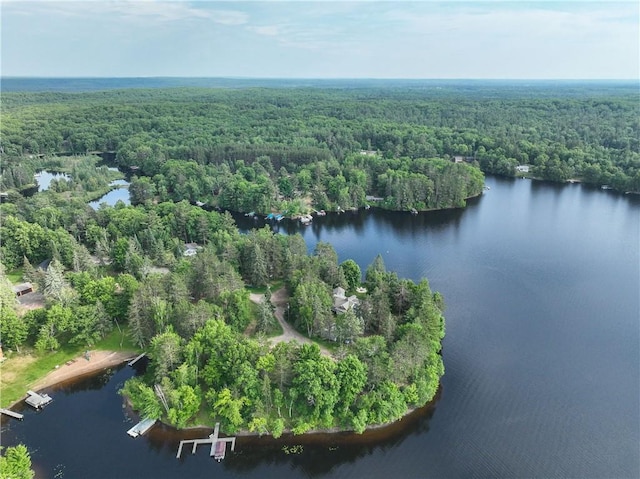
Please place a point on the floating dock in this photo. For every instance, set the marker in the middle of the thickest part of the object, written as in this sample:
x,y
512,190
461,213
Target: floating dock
x,y
10,413
218,444
136,359
142,427
37,400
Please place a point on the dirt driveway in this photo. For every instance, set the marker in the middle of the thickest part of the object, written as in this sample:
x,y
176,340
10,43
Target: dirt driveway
x,y
280,300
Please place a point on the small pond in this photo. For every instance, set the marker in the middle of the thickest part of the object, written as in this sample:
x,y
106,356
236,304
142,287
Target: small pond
x,y
119,193
44,178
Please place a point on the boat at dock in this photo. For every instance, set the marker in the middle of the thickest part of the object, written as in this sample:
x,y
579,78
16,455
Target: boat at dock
x,y
218,444
142,427
36,400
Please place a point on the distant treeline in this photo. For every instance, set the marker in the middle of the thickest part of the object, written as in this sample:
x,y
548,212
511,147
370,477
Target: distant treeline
x,y
589,132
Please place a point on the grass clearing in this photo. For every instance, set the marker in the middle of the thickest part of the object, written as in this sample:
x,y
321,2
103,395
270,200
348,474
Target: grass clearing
x,y
19,371
15,276
276,285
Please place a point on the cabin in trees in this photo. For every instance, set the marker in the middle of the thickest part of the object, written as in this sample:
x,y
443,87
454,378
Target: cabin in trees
x,y
190,249
368,152
342,304
463,159
22,289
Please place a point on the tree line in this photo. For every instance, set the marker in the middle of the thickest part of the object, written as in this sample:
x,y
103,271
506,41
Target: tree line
x,y
586,132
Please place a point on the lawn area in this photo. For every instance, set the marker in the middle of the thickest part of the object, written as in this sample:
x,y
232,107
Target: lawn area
x,y
15,276
275,286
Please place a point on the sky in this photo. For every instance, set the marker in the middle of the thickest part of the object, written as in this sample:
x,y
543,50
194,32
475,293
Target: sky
x,y
321,39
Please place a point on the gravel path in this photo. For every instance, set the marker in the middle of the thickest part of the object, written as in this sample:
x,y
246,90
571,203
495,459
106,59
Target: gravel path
x,y
280,299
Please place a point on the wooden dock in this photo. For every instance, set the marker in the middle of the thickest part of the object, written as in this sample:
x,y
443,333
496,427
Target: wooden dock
x,y
142,427
136,359
218,444
10,413
37,400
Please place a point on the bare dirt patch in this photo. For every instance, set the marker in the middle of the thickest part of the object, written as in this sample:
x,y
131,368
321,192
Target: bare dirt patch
x,y
33,300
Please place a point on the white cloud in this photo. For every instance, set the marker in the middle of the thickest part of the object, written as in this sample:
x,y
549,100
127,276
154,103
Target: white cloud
x,y
267,30
128,10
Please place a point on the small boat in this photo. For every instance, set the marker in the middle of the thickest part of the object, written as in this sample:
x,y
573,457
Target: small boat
x,y
414,211
220,450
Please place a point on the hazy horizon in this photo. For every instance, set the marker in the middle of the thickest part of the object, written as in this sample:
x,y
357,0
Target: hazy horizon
x,y
439,40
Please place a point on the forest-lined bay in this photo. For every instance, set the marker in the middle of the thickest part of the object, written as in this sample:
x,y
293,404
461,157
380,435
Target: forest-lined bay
x,y
541,352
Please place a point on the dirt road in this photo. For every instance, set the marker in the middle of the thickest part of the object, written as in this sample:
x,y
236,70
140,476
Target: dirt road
x,y
280,299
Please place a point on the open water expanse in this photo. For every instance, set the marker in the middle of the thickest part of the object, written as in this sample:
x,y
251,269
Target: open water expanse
x,y
542,285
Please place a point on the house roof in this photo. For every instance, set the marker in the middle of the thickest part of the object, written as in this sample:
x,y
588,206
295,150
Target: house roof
x,y
19,288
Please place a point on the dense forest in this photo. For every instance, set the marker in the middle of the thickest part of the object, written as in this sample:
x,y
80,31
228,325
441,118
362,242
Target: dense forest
x,y
208,303
258,149
209,343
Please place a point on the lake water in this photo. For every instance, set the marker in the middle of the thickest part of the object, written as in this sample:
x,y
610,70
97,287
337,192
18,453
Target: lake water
x,y
44,178
542,285
119,193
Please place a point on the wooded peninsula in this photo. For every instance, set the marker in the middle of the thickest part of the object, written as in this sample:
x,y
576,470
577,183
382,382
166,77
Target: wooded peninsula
x,y
214,308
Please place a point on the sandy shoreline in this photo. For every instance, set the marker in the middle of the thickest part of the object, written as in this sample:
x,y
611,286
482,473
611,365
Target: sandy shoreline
x,y
98,360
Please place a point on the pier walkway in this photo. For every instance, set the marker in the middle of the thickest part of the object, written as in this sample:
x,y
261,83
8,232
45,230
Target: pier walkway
x,y
136,359
142,427
218,444
10,413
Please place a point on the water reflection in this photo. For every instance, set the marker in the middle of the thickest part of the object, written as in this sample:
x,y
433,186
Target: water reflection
x,y
402,224
120,193
44,179
85,405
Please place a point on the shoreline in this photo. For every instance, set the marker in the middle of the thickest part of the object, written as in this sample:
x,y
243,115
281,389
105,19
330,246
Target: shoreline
x,y
78,368
371,435
101,359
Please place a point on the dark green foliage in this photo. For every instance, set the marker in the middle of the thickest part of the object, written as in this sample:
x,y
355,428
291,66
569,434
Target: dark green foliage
x,y
234,148
352,274
192,315
15,463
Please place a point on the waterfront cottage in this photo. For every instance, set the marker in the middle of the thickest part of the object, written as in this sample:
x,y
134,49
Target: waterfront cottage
x,y
342,304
